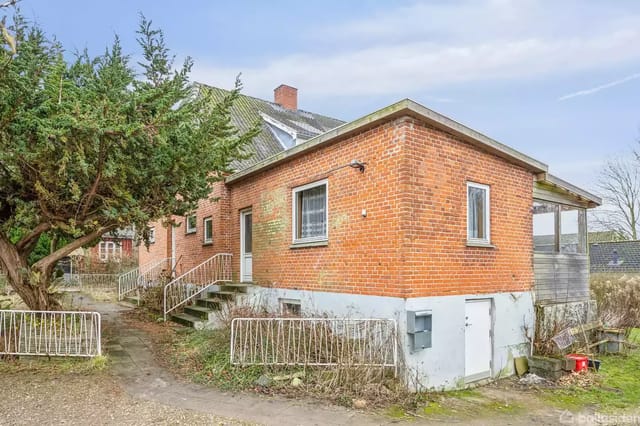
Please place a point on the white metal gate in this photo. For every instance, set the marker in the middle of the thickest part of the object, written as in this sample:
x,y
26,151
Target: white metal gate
x,y
314,342
50,333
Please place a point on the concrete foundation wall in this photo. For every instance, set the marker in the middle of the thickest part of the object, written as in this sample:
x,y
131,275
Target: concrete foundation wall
x,y
443,365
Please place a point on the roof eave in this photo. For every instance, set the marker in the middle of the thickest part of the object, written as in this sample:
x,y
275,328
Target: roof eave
x,y
402,108
592,199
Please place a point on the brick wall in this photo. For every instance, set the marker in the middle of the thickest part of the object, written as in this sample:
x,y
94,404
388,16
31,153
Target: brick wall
x,y
160,249
435,172
412,242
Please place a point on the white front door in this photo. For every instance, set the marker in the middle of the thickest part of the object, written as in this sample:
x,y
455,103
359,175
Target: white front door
x,y
478,339
246,243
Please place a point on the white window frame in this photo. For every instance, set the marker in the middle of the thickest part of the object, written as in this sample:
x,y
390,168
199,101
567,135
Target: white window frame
x,y
206,240
152,235
189,229
487,216
294,212
109,250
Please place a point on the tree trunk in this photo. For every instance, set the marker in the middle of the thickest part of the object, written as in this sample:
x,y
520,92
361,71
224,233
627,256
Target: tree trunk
x,y
33,289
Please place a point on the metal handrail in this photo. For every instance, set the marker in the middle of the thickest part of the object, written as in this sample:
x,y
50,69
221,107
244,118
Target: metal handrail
x,y
142,277
50,333
214,270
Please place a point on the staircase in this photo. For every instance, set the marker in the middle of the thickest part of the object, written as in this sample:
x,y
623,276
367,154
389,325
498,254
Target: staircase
x,y
186,291
204,310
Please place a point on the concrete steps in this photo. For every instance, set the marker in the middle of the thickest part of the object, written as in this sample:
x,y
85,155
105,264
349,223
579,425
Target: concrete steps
x,y
202,312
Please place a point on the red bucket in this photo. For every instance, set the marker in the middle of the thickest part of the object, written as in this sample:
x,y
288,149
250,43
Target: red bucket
x,y
582,361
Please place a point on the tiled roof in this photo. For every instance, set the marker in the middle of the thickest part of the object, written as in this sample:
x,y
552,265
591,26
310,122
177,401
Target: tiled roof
x,y
246,112
618,256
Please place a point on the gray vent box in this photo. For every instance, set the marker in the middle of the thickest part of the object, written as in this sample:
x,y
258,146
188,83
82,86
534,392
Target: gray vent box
x,y
419,329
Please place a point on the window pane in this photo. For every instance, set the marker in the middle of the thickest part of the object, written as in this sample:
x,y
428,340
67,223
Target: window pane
x,y
248,238
208,230
191,223
572,230
544,226
312,217
477,213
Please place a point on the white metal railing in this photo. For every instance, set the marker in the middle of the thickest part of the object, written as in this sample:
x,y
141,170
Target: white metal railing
x,y
93,281
214,270
150,274
314,342
50,333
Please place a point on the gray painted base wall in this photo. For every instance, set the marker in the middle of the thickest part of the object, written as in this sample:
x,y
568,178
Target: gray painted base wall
x,y
443,365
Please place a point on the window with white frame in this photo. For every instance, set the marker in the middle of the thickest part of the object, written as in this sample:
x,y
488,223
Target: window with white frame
x,y
191,223
152,235
478,213
208,230
310,212
109,250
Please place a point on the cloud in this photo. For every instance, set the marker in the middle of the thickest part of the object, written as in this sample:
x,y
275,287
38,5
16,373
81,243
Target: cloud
x,y
429,47
597,89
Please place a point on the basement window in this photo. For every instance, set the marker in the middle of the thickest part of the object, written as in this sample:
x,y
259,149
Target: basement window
x,y
208,230
191,224
310,212
478,214
291,307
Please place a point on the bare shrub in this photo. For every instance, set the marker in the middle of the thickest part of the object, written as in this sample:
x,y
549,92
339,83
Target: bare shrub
x,y
618,299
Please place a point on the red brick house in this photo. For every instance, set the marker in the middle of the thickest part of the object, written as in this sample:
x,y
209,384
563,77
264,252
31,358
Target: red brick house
x,y
402,213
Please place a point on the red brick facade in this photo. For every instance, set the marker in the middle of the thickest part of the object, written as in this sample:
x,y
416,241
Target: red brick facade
x,y
412,242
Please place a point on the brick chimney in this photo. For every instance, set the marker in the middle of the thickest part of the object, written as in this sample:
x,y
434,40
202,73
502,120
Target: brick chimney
x,y
286,96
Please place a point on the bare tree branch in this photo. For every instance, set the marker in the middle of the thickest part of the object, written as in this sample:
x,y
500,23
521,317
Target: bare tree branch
x,y
8,3
620,186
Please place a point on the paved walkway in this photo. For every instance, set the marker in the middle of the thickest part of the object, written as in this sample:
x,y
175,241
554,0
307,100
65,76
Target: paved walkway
x,y
142,377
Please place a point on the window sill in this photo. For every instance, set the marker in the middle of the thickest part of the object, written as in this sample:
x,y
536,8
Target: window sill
x,y
190,233
323,243
480,244
208,243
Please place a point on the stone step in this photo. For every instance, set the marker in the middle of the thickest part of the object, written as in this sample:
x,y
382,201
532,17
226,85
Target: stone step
x,y
210,302
188,320
235,287
222,294
134,300
200,312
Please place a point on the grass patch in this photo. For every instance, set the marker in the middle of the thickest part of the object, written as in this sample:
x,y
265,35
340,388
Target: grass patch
x,y
54,365
203,355
619,387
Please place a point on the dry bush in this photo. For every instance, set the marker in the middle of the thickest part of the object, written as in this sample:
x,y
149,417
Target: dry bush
x,y
152,298
618,299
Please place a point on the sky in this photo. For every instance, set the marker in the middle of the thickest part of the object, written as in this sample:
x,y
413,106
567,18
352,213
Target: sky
x,y
556,80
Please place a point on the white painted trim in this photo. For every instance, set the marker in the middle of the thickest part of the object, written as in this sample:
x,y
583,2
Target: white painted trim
x,y
206,240
487,218
290,131
294,221
189,229
243,213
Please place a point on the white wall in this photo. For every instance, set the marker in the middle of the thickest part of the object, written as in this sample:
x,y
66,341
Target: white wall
x,y
441,366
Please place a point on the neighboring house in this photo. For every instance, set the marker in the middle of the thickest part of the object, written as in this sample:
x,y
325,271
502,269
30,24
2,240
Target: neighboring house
x,y
615,256
115,248
403,214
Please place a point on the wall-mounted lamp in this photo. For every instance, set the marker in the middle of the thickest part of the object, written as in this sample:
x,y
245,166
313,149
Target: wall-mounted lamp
x,y
357,165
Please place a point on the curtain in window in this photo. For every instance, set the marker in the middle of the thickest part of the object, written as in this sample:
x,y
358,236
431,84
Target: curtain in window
x,y
476,213
314,213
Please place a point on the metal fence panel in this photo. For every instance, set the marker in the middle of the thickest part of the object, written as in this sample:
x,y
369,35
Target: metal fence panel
x,y
314,342
50,333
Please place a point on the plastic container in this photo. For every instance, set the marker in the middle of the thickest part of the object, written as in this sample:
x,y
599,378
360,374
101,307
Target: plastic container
x,y
582,361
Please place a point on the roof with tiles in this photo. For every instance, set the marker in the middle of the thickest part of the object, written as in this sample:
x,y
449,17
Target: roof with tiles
x,y
615,256
272,139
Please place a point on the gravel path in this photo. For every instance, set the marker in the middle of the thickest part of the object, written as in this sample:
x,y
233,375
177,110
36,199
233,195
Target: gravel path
x,y
44,398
